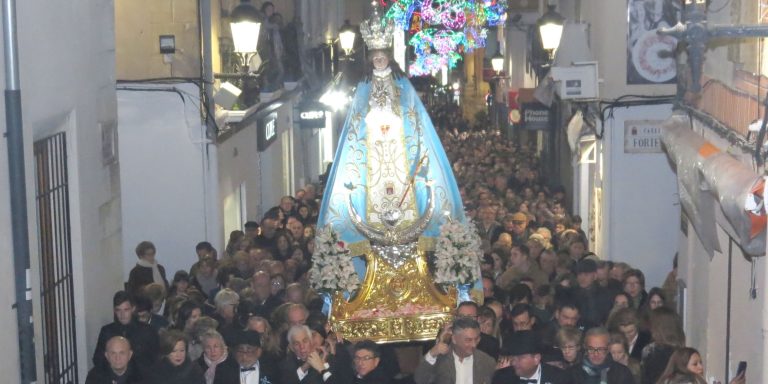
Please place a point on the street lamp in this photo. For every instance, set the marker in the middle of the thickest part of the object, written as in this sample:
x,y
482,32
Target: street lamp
x,y
497,62
551,29
347,37
245,25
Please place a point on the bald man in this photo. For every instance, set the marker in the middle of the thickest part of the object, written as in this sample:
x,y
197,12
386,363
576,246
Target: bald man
x,y
120,370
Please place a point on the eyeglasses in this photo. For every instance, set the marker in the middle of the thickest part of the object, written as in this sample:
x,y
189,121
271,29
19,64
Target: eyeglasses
x,y
569,347
595,351
518,222
364,358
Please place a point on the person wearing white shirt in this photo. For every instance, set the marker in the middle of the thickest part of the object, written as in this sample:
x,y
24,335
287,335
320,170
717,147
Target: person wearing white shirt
x,y
457,363
521,363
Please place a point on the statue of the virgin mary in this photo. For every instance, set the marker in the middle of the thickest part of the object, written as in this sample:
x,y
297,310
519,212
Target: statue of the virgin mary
x,y
390,189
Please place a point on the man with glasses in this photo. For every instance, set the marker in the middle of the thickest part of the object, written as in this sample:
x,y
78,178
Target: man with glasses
x,y
522,363
366,359
597,365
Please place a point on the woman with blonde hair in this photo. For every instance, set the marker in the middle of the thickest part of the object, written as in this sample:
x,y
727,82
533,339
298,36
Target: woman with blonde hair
x,y
617,346
686,367
569,343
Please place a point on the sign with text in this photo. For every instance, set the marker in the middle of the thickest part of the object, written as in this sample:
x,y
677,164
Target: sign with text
x,y
642,136
267,132
312,115
536,117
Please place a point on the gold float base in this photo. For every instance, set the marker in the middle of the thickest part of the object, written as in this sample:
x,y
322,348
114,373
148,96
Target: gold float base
x,y
394,304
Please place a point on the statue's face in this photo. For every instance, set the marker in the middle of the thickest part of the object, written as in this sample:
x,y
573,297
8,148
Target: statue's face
x,y
380,60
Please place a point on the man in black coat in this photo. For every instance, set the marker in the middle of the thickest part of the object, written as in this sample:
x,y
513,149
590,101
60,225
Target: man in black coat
x,y
597,365
119,369
249,370
303,364
522,363
143,339
594,301
366,358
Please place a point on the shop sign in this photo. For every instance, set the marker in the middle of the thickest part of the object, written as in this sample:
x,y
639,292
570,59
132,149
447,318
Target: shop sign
x,y
536,117
267,133
642,136
312,115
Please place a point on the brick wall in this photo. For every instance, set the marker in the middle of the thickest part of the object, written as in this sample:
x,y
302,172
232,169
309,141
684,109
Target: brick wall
x,y
735,107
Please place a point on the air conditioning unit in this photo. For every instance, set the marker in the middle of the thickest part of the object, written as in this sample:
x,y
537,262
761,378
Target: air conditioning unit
x,y
577,81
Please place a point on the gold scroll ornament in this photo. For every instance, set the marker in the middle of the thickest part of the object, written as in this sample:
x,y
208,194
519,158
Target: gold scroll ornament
x,y
394,304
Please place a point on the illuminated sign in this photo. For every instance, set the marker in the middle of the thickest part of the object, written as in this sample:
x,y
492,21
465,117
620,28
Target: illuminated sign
x,y
312,115
267,132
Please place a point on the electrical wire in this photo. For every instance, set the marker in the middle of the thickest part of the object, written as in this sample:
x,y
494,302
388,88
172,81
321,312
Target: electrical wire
x,y
622,102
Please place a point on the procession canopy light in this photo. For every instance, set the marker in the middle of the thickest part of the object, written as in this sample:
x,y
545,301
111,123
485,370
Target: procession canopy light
x,y
551,29
347,37
245,25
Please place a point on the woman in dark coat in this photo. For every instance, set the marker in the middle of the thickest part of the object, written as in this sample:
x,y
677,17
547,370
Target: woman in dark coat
x,y
174,367
146,271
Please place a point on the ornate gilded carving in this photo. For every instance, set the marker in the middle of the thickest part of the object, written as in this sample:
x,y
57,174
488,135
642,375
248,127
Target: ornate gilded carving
x,y
394,303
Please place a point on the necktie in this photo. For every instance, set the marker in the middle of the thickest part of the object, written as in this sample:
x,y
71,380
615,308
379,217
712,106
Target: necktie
x,y
247,369
529,381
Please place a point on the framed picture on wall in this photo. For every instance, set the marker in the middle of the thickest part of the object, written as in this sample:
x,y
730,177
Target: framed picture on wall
x,y
650,56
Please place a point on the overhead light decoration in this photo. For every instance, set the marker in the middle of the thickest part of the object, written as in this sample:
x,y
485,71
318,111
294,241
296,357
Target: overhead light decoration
x,y
451,27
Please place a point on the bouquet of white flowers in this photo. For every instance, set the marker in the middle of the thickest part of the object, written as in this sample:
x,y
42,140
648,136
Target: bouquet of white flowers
x,y
457,254
332,267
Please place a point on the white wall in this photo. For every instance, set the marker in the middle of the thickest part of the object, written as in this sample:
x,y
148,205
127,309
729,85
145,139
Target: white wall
x,y
67,81
641,212
168,171
268,175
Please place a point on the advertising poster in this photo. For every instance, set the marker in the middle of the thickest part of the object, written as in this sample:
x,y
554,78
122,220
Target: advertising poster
x,y
650,56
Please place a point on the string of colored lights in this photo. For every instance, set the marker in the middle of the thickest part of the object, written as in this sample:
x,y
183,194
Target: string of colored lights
x,y
443,28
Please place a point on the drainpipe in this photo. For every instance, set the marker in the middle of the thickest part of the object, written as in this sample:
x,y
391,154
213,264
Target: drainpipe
x,y
207,52
18,192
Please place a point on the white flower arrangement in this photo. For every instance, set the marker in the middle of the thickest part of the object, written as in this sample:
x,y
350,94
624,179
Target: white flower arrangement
x,y
332,267
457,254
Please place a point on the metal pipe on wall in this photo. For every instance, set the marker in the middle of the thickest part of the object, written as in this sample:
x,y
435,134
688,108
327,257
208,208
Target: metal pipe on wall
x,y
18,193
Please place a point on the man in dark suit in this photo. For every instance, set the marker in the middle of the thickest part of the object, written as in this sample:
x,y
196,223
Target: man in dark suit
x,y
597,365
143,339
366,359
120,370
303,364
459,362
247,349
522,363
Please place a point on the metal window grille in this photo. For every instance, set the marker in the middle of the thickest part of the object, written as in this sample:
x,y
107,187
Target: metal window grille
x,y
57,293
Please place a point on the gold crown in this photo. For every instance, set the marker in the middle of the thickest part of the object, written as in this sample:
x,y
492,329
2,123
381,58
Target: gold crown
x,y
377,32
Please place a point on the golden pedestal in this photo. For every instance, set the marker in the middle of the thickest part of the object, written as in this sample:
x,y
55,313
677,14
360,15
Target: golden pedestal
x,y
394,304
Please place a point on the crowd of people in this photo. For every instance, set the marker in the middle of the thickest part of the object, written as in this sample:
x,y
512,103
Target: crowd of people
x,y
553,312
